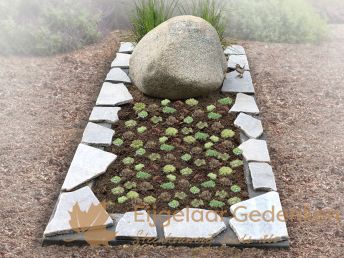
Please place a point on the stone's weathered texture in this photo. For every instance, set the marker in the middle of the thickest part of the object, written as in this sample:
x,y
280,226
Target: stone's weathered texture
x,y
255,150
235,50
117,75
234,83
104,114
270,227
233,60
137,224
181,58
262,176
59,222
113,95
251,126
88,163
121,61
97,135
126,47
245,103
191,223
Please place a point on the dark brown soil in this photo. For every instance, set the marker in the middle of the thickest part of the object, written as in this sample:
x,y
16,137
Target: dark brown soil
x,y
104,185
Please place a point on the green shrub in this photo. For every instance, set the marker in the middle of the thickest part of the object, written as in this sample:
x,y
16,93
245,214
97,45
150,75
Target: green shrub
x,y
197,203
214,116
117,190
130,123
171,177
209,184
143,114
227,133
188,120
201,136
154,156
150,13
211,153
186,157
116,179
236,163
212,176
132,195
139,167
216,204
189,139
163,139
191,102
195,190
128,161
221,194
149,200
122,199
169,110
173,204
187,130
141,129
214,138
200,162
235,188
225,101
223,156
118,142
208,145
171,131
136,144
225,171
165,102
169,169
211,108
180,195
156,119
237,151
143,175
130,185
139,106
233,200
201,125
292,21
166,147
167,186
186,171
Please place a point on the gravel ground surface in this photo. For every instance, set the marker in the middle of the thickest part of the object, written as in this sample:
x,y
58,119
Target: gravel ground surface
x,y
45,103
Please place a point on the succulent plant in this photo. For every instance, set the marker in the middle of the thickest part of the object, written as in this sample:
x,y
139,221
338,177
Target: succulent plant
x,y
167,186
201,136
188,120
225,171
212,176
136,144
117,190
221,194
237,151
163,139
143,114
169,110
189,139
139,106
145,186
171,131
227,144
165,102
141,129
169,169
116,179
171,177
132,195
183,183
195,190
143,175
208,145
152,108
186,157
225,181
191,102
235,188
171,120
186,171
209,184
211,153
236,163
149,200
166,147
227,133
214,163
128,161
122,199
154,156
216,204
180,195
187,130
206,195
217,127
165,196
118,142
130,185
201,125
150,145
211,108
130,123
198,113
214,116
173,204
223,156
156,119
197,203
169,157
225,101
140,152
233,200
214,138
139,167
129,135
127,173
196,150
199,162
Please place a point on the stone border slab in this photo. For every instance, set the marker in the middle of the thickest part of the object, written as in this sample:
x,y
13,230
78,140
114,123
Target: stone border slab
x,y
126,47
235,50
117,75
121,61
107,115
233,60
97,135
233,83
114,95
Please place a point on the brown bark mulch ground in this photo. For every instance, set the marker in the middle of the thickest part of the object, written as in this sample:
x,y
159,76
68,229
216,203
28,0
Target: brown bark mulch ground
x,y
45,104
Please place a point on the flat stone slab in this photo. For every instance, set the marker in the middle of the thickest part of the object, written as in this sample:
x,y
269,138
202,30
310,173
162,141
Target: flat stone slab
x,y
117,75
121,61
233,60
106,125
97,135
126,47
245,103
259,219
113,95
262,176
234,83
88,163
84,197
235,50
105,115
255,150
137,224
251,126
191,223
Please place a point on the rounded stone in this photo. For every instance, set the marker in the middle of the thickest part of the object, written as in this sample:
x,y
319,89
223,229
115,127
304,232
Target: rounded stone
x,y
181,58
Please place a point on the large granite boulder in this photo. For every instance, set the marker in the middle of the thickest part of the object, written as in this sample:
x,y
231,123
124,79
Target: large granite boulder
x,y
181,58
